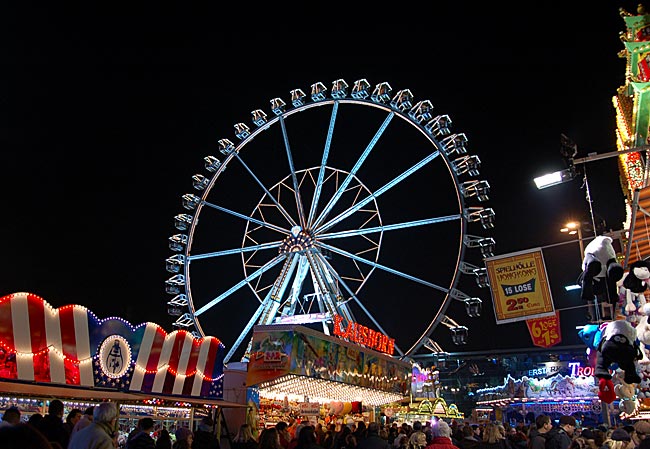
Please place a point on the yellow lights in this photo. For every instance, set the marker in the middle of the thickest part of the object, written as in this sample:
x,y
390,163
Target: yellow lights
x,y
321,390
571,228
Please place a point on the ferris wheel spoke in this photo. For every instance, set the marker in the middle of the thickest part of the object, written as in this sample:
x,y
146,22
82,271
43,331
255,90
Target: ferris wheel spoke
x,y
332,202
264,305
270,264
343,215
356,300
244,249
321,172
284,213
392,227
296,187
247,218
380,266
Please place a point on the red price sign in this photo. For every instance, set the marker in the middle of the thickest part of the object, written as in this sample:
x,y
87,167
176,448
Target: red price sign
x,y
545,332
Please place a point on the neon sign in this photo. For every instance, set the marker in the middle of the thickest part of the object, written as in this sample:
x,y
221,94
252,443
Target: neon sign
x,y
363,335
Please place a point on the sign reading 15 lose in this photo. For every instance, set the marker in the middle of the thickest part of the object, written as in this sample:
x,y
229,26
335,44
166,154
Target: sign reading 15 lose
x,y
519,286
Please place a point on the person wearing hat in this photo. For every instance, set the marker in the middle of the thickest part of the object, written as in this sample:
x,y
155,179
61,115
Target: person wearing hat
x,y
619,439
641,431
204,437
560,437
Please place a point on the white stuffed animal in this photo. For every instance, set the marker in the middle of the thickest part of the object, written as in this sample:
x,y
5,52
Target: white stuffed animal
x,y
642,329
626,393
632,288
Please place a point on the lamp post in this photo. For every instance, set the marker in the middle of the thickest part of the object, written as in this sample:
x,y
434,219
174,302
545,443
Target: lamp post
x,y
572,228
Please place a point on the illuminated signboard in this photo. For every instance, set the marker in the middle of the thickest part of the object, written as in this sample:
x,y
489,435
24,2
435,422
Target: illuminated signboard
x,y
363,335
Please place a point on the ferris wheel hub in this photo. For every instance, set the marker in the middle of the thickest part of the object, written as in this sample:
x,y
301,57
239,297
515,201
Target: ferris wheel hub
x,y
299,240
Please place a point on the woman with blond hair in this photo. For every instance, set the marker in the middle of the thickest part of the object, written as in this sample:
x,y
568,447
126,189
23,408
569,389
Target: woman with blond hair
x,y
493,438
244,438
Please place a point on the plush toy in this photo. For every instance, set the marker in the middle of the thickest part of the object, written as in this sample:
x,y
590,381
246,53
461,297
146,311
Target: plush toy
x,y
633,286
618,345
626,393
600,271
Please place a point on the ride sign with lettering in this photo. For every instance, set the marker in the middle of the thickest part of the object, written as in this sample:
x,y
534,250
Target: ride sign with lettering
x,y
519,286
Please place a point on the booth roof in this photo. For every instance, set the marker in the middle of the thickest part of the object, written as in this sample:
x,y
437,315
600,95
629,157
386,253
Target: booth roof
x,y
16,388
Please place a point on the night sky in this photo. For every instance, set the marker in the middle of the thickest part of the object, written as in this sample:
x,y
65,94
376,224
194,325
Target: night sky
x,y
108,114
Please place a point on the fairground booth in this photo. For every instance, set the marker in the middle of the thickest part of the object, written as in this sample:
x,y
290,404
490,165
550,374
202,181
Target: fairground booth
x,y
295,372
70,354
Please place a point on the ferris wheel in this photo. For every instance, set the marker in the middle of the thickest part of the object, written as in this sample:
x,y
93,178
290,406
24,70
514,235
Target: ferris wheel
x,y
346,206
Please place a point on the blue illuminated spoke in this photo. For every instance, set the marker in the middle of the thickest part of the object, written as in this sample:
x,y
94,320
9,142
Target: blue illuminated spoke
x,y
332,202
380,266
321,172
378,192
247,218
392,227
245,249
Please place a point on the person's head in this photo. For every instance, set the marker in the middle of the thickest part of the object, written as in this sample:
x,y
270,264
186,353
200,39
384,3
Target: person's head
x,y
491,433
620,434
88,413
543,423
568,423
183,433
164,434
206,424
270,438
373,427
55,408
642,429
11,415
441,429
306,436
245,434
281,426
35,419
73,416
146,425
417,425
21,436
468,432
105,412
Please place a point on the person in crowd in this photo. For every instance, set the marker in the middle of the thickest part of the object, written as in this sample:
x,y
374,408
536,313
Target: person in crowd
x,y
441,433
350,442
22,436
560,437
100,434
84,421
330,435
341,435
10,417
641,431
204,437
184,438
164,440
644,443
244,438
320,433
360,431
417,438
536,436
468,440
493,438
141,439
619,438
589,438
52,424
307,438
270,438
34,419
72,419
373,440
283,432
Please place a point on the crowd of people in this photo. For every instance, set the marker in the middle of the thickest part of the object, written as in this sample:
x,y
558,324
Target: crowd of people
x,y
96,428
542,434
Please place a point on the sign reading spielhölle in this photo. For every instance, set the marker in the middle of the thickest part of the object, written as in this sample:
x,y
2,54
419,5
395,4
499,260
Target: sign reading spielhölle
x,y
519,285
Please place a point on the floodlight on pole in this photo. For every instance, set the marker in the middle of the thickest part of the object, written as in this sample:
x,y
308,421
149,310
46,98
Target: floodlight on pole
x,y
555,178
573,228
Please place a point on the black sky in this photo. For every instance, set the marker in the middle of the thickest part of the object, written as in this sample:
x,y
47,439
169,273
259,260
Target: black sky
x,y
108,114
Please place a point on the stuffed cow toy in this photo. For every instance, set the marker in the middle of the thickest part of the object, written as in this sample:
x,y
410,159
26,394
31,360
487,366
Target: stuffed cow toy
x,y
600,271
618,345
